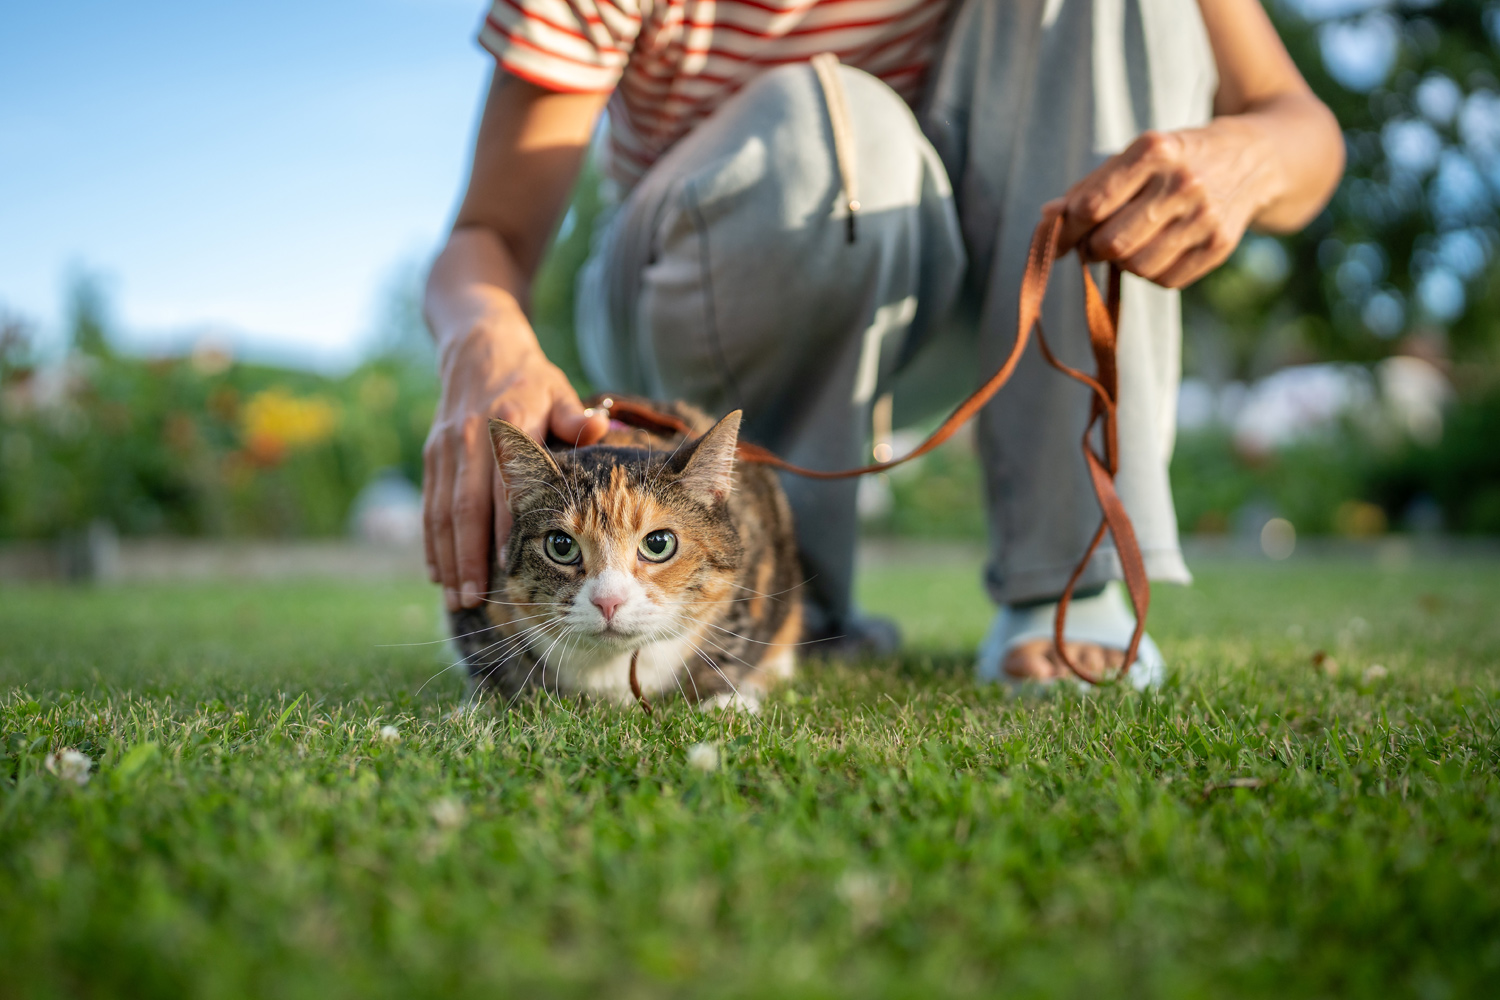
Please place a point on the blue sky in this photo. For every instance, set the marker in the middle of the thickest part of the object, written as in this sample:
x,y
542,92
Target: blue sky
x,y
262,170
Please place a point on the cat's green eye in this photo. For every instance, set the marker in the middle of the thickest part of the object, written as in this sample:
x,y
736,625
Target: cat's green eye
x,y
561,548
659,546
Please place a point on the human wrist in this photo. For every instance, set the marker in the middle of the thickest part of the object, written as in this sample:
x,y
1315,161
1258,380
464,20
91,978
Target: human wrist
x,y
1251,141
1297,152
474,300
501,339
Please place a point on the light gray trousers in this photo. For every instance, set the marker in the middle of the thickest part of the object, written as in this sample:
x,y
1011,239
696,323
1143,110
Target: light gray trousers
x,y
726,277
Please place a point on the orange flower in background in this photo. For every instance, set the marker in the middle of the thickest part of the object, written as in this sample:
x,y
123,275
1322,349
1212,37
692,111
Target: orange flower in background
x,y
275,422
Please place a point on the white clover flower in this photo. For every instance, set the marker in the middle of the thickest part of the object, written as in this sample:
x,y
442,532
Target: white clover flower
x,y
389,735
1375,672
703,757
865,894
447,813
70,765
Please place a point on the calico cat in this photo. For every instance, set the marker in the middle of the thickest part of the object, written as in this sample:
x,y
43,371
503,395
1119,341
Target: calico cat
x,y
661,546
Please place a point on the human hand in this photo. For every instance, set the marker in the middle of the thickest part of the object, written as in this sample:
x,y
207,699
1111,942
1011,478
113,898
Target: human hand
x,y
1174,205
495,370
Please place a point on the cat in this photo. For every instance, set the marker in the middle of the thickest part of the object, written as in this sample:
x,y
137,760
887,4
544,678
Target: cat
x,y
661,546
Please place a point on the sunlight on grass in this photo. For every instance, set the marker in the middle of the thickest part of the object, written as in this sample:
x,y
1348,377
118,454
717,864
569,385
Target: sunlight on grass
x,y
284,803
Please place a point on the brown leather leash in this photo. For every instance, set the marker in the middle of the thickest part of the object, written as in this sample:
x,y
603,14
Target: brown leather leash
x,y
1103,322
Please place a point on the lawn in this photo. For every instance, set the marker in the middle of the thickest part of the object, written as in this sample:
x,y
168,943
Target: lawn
x,y
1261,827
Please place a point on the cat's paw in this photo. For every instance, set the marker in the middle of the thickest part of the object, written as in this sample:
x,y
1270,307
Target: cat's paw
x,y
731,701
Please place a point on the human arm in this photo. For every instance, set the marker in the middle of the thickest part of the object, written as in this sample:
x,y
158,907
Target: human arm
x,y
1174,205
527,154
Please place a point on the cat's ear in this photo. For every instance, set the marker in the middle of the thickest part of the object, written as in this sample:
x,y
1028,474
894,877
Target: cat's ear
x,y
522,461
709,471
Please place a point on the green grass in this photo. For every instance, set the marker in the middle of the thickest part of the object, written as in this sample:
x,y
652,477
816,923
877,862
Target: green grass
x,y
887,830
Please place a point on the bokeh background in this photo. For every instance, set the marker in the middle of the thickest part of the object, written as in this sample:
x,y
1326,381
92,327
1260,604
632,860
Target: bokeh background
x,y
216,221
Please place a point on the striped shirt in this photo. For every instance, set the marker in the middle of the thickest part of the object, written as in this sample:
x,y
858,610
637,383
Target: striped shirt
x,y
670,63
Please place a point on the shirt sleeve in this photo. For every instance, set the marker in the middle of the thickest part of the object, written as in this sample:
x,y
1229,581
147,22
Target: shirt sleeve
x,y
579,46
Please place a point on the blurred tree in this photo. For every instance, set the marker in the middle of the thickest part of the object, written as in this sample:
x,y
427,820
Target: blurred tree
x,y
1408,244
400,333
88,314
15,347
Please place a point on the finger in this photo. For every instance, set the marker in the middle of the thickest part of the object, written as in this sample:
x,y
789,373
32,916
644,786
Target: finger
x,y
1209,242
534,423
1166,248
570,422
473,492
502,516
1194,264
1137,224
1114,183
440,525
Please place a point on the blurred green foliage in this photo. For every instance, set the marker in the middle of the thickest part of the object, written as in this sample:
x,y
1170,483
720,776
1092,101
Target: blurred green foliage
x,y
1219,491
1344,481
941,495
195,445
1461,472
1408,244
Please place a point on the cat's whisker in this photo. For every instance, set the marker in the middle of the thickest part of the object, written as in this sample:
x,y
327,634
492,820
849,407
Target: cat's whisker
x,y
758,642
454,638
720,671
520,641
543,661
500,652
753,667
756,593
524,686
540,663
479,677
433,642
687,636
697,695
500,659
515,636
808,642
462,660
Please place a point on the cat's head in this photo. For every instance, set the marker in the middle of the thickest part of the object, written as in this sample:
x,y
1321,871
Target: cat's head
x,y
620,546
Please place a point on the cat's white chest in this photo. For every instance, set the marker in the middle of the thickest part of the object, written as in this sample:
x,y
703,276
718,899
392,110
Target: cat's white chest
x,y
662,667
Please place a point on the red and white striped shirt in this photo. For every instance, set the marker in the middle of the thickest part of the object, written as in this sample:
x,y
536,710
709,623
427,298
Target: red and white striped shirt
x,y
670,63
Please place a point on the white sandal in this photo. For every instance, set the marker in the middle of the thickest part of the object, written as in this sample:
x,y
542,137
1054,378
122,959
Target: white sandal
x,y
1104,619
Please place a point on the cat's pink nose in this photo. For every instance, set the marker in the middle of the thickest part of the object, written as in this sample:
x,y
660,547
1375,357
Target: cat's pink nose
x,y
608,604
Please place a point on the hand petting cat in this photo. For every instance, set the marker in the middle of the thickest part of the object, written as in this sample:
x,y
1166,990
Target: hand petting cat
x,y
484,376
489,359
491,366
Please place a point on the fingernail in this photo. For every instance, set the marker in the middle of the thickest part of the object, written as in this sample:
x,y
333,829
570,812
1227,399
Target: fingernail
x,y
450,598
471,594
